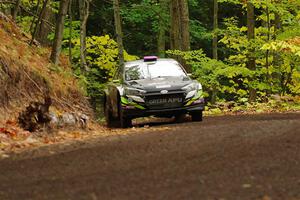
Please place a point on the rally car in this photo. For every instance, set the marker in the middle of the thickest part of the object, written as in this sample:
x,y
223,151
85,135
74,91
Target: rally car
x,y
152,86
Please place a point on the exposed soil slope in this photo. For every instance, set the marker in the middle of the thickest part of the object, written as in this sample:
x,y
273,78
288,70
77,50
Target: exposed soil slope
x,y
27,75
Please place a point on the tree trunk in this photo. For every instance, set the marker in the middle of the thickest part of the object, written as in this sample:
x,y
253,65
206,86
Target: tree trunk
x,y
175,37
84,6
184,22
56,48
34,17
215,48
268,52
180,34
119,33
71,31
16,10
277,59
45,28
251,35
161,40
39,21
215,28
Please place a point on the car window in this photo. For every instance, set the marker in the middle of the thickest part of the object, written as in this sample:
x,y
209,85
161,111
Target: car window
x,y
136,72
154,70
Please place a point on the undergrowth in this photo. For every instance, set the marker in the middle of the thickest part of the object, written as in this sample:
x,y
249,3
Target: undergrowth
x,y
275,104
27,75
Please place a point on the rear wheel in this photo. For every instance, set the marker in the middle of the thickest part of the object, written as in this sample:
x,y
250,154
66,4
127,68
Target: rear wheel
x,y
197,116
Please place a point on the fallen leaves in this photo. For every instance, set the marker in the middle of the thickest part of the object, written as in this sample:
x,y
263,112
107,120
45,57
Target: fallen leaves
x,y
11,129
14,139
10,133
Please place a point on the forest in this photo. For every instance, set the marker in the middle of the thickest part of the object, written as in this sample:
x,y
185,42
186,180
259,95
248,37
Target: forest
x,y
245,52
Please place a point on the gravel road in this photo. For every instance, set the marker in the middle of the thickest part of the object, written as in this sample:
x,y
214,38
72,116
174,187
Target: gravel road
x,y
228,157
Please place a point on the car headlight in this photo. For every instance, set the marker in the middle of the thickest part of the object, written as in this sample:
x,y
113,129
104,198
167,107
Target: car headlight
x,y
199,86
134,92
190,94
135,98
192,89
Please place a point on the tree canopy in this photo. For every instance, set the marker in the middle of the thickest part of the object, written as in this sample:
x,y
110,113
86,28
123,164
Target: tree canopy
x,y
242,51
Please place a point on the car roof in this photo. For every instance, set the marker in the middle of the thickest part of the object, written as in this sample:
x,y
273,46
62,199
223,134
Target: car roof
x,y
129,63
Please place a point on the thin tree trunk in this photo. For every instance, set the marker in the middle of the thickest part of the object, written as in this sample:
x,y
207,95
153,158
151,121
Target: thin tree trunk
x,y
161,41
119,33
39,21
276,55
71,31
268,52
56,48
84,6
251,35
215,28
34,17
215,48
16,9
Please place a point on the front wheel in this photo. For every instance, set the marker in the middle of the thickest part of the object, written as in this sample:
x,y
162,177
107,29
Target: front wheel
x,y
179,118
108,115
124,121
197,116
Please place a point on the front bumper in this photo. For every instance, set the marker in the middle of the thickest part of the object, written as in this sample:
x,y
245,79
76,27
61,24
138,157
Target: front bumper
x,y
133,112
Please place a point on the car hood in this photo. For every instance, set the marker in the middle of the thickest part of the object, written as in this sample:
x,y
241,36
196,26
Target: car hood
x,y
161,83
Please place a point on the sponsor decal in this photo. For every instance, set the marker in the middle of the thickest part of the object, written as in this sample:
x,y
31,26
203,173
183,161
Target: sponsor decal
x,y
165,101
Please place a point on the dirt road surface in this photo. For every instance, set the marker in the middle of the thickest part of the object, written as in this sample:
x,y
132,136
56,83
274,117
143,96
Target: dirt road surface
x,y
228,157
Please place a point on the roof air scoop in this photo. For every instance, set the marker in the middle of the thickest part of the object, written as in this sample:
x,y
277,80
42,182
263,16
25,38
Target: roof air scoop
x,y
150,58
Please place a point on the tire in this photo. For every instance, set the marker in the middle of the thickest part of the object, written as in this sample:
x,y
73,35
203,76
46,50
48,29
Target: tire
x,y
124,122
179,118
108,115
197,116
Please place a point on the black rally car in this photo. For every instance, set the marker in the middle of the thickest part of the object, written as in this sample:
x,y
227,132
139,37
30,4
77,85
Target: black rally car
x,y
152,86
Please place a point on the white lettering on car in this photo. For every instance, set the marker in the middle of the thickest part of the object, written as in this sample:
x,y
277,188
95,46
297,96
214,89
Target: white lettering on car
x,y
163,101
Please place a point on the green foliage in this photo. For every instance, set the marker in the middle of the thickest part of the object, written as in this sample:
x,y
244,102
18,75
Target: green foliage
x,y
199,33
102,56
276,53
66,34
25,22
229,82
142,24
274,103
102,53
276,58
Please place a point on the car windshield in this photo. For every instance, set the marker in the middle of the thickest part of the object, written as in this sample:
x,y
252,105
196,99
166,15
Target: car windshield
x,y
153,70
